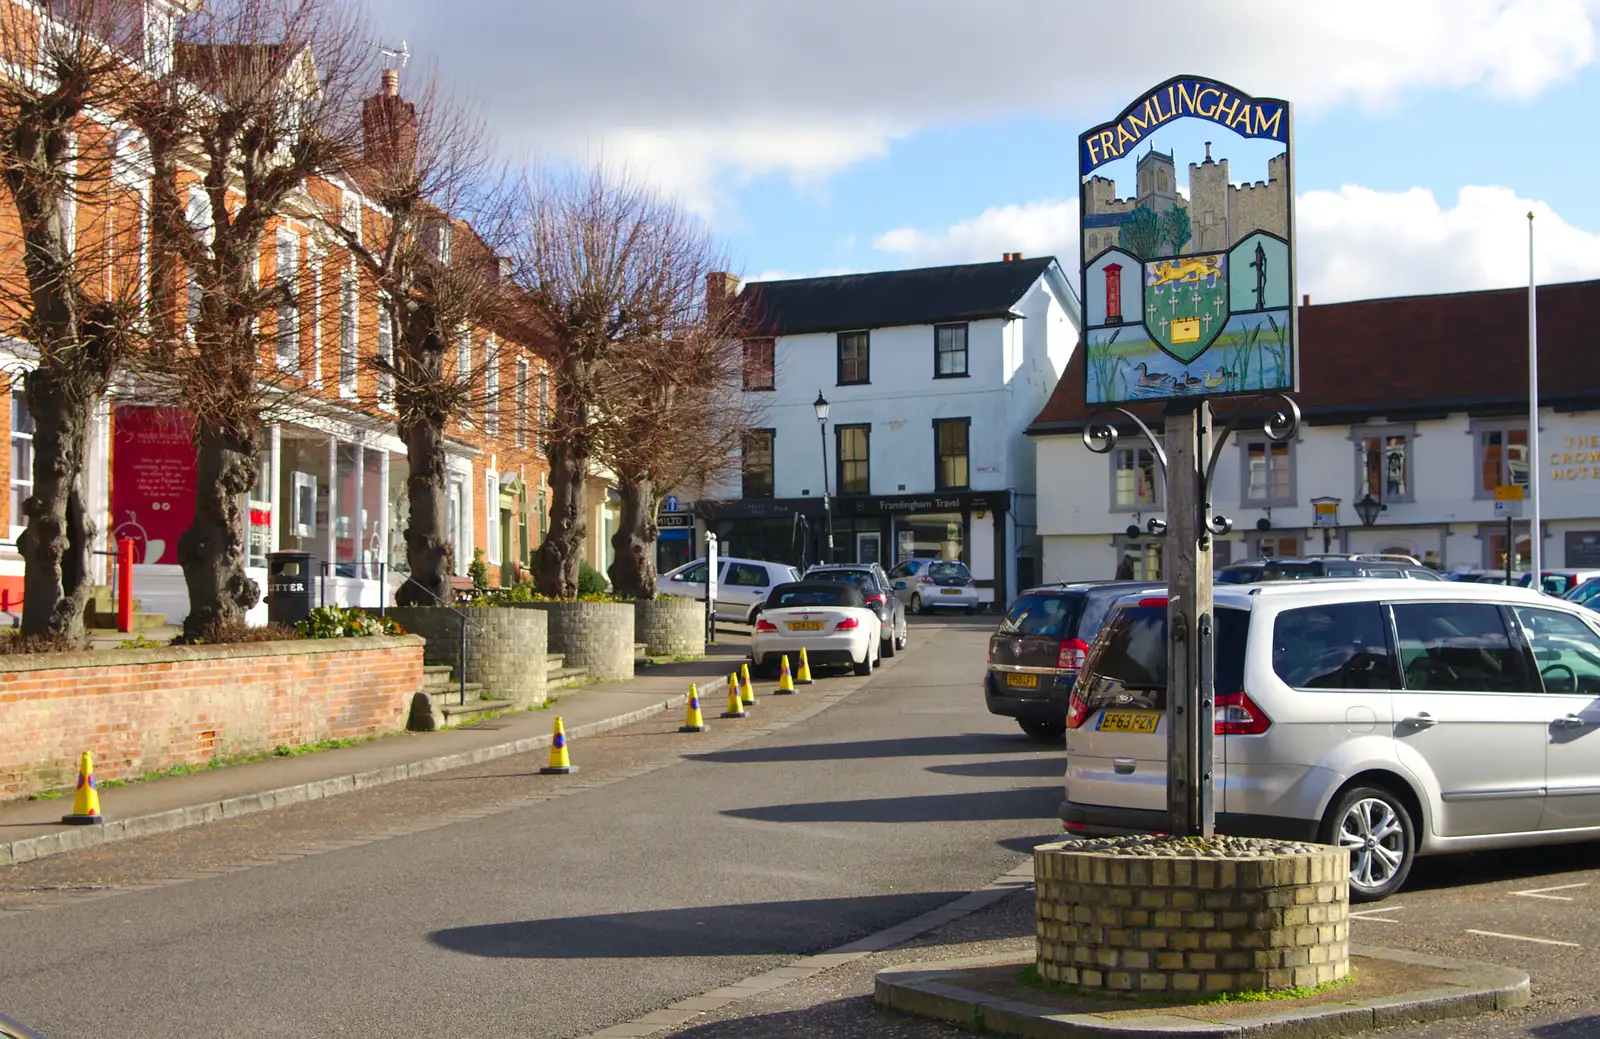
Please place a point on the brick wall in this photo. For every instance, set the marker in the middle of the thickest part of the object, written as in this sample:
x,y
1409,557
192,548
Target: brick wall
x,y
1170,924
143,710
670,627
597,636
505,647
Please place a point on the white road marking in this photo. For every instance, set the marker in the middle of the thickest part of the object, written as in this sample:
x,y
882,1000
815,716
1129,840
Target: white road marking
x,y
1524,938
1372,914
1539,892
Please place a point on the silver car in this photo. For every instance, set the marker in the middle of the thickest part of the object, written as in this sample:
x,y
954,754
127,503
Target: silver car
x,y
742,584
1394,718
935,584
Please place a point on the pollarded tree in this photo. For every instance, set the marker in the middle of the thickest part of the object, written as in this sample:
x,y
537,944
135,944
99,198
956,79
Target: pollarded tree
x,y
77,283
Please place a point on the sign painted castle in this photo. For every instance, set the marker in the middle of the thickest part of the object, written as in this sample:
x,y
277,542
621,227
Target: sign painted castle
x,y
1187,287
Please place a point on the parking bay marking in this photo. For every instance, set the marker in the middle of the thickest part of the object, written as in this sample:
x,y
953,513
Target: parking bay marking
x,y
1524,938
1372,914
1540,892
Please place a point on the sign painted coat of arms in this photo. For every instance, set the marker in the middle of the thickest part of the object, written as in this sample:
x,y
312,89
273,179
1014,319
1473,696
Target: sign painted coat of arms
x,y
1186,303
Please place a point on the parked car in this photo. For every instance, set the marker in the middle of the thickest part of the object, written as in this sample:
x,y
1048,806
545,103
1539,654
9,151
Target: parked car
x,y
935,584
1394,718
1584,592
1257,570
829,619
10,1029
877,592
742,584
1036,652
1560,582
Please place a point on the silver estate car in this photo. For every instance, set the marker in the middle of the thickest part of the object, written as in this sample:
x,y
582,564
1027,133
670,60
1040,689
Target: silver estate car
x,y
1396,718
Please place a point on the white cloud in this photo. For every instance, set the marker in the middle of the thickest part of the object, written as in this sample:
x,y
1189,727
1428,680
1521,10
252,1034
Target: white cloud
x,y
1353,243
695,95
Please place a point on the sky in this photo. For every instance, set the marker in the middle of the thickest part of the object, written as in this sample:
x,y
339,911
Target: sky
x,y
825,136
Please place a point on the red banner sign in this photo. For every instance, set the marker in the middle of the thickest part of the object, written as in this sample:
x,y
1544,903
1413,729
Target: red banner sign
x,y
152,480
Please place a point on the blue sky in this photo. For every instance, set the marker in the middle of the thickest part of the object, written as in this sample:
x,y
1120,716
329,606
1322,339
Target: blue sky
x,y
826,136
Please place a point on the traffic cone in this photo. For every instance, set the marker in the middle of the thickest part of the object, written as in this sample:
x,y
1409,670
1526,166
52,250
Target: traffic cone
x,y
735,701
785,680
747,692
694,721
86,802
803,676
560,762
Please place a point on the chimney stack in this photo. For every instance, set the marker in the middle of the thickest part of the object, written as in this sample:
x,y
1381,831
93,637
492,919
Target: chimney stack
x,y
1305,301
391,83
720,287
389,127
1010,257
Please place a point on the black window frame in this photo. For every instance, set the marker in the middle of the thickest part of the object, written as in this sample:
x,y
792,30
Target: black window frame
x,y
772,464
965,425
769,368
839,460
865,360
939,351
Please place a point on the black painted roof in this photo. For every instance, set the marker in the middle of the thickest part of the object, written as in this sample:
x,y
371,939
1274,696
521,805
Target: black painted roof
x,y
923,296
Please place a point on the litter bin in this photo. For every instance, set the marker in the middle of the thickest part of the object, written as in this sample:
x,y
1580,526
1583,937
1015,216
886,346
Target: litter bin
x,y
288,587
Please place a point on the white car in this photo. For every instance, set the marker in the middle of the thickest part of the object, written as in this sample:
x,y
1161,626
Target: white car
x,y
925,585
742,584
830,620
1395,718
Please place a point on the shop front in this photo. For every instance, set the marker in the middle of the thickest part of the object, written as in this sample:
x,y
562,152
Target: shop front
x,y
675,540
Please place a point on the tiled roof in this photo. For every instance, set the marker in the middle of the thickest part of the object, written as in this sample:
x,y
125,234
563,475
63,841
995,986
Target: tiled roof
x,y
924,296
1420,354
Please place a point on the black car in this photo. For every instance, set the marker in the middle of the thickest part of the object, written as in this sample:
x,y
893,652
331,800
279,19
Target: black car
x,y
1035,654
880,597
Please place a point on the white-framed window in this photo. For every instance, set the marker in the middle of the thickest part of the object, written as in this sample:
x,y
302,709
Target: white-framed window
x,y
491,387
1135,479
1383,462
350,213
542,433
348,337
491,518
197,214
1268,473
21,456
1500,455
318,260
68,205
521,417
440,240
287,276
463,356
385,355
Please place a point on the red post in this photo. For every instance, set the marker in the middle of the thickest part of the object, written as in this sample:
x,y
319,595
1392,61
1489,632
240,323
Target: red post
x,y
125,585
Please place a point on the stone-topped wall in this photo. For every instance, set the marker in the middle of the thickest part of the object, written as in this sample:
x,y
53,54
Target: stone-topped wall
x,y
1226,914
670,627
597,636
506,648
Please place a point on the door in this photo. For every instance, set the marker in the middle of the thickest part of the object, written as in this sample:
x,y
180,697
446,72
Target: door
x,y
742,586
869,547
689,583
1470,717
1566,653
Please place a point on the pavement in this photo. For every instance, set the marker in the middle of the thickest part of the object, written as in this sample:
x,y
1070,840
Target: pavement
x,y
33,829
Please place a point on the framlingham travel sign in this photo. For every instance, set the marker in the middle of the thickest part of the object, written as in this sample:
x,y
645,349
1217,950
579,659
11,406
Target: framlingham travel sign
x,y
1187,280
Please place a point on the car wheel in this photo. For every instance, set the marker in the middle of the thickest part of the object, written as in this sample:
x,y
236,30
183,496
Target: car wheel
x,y
916,604
971,610
1039,730
887,647
904,637
1376,826
865,667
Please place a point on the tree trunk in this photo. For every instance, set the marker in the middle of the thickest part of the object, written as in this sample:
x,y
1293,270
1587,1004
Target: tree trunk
x,y
555,565
59,538
212,550
633,566
427,541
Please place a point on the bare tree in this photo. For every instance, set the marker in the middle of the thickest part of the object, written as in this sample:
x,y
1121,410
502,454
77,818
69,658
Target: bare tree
x,y
79,302
674,417
425,164
262,96
610,271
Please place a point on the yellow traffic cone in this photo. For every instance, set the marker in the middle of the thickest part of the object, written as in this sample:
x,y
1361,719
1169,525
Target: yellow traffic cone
x,y
86,802
560,761
694,721
735,700
747,692
803,676
785,680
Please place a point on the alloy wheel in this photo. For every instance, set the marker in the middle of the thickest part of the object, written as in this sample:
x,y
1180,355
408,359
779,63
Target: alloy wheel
x,y
1376,837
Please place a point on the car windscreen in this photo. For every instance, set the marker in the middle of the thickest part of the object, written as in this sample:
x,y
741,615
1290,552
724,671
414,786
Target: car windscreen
x,y
1043,614
1239,575
1097,605
942,569
859,578
1585,591
1294,571
814,594
1129,659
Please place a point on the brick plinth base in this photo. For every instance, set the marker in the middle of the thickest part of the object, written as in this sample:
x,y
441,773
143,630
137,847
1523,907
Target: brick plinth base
x,y
1220,915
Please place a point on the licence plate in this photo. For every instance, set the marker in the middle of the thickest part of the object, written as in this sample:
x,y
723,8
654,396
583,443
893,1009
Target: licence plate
x,y
952,591
805,625
1128,721
1023,681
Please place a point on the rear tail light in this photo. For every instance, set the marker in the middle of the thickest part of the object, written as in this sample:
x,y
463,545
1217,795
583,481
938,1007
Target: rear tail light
x,y
1072,655
1156,600
876,597
765,625
848,624
1238,715
1077,710
926,579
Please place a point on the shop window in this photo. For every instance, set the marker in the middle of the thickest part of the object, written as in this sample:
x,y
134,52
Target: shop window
x,y
853,452
21,458
950,442
1383,458
949,351
1268,473
1493,537
1140,559
369,524
760,371
347,508
854,368
1279,546
757,464
1502,456
938,535
1135,479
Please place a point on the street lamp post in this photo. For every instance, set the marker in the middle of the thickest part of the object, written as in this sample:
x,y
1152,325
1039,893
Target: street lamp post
x,y
820,406
1368,508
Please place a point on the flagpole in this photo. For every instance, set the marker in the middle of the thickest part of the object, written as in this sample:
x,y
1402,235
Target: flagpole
x,y
1535,532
